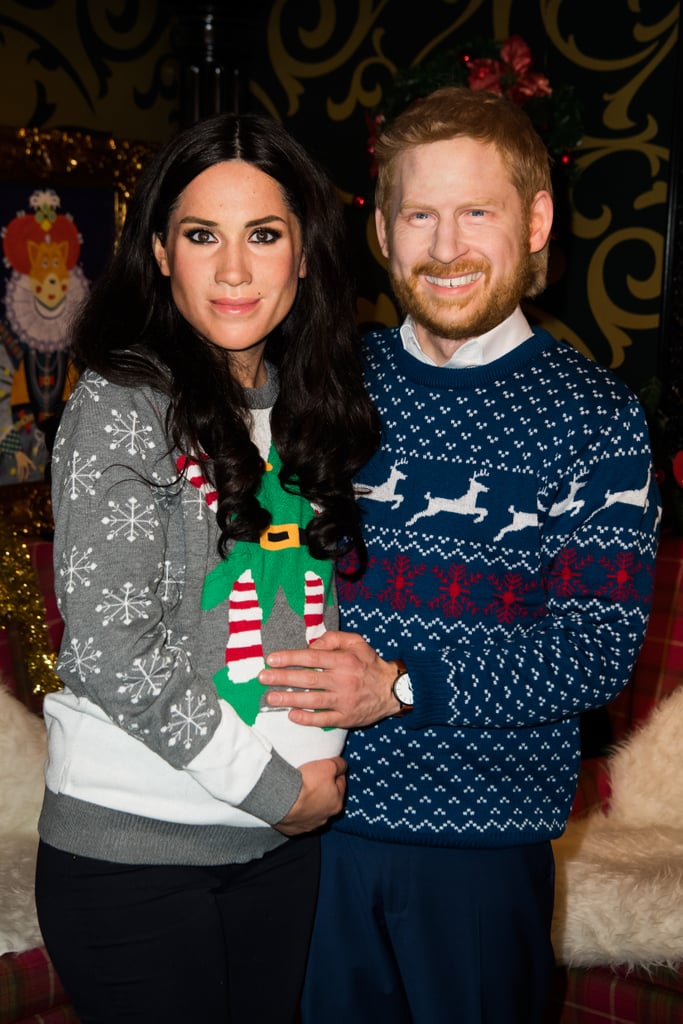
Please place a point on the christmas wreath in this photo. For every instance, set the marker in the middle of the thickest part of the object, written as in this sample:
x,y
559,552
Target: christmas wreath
x,y
504,68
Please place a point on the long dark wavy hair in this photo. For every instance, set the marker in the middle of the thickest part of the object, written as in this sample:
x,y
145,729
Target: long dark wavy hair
x,y
323,423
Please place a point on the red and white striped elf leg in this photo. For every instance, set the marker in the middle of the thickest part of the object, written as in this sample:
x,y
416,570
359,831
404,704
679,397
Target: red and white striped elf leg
x,y
244,650
314,605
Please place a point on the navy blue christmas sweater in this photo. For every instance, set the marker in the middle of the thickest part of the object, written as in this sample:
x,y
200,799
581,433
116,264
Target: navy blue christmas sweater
x,y
511,518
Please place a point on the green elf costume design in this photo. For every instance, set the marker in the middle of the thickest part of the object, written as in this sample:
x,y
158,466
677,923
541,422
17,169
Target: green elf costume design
x,y
278,596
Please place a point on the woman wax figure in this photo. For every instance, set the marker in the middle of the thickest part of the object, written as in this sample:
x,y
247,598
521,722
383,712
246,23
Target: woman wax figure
x,y
202,495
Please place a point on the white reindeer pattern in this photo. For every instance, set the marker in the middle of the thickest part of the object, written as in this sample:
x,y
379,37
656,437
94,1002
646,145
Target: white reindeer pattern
x,y
520,521
639,498
387,490
466,505
569,504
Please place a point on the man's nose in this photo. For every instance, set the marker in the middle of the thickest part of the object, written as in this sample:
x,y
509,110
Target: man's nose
x,y
448,241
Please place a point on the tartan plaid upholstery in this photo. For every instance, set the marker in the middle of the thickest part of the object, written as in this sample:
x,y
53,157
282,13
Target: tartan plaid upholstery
x,y
659,669
31,992
602,995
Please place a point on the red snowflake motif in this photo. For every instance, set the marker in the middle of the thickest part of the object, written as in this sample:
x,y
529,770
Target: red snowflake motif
x,y
401,575
508,598
454,592
349,589
620,577
566,578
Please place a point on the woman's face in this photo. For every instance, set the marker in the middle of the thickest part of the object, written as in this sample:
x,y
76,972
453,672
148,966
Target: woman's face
x,y
234,256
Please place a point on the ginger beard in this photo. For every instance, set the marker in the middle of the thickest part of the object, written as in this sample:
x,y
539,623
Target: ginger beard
x,y
450,317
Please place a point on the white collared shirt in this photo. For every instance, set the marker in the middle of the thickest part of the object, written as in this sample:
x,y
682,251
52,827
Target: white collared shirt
x,y
477,351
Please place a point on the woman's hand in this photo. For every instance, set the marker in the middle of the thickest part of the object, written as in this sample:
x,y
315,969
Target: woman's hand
x,y
321,796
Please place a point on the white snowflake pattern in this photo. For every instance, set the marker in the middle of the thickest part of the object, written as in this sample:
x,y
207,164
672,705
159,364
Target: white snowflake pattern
x,y
188,720
126,606
81,658
130,520
76,569
147,677
194,503
81,476
89,387
177,649
127,431
171,582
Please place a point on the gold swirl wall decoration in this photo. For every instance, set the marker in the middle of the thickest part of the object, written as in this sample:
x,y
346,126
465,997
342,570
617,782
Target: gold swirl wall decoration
x,y
292,70
90,65
558,328
616,112
655,50
612,319
594,149
358,95
501,17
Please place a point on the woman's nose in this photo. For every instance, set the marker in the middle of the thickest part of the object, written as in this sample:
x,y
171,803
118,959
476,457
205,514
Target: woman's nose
x,y
232,265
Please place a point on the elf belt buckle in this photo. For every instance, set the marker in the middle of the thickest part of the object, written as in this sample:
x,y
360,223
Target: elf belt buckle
x,y
281,535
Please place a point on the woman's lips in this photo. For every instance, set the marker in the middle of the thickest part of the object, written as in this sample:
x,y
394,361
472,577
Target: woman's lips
x,y
235,307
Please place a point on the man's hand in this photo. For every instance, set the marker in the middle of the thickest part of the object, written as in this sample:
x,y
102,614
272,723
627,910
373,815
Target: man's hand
x,y
321,796
352,687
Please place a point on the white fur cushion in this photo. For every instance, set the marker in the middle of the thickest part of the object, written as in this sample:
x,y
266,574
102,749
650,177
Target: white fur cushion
x,y
619,893
22,759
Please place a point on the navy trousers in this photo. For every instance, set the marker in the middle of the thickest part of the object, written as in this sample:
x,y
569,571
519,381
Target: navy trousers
x,y
428,935
180,945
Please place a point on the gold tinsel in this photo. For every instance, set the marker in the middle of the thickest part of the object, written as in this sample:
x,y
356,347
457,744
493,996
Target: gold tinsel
x,y
21,606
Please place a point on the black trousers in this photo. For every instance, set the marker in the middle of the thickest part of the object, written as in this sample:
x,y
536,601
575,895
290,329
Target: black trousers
x,y
135,944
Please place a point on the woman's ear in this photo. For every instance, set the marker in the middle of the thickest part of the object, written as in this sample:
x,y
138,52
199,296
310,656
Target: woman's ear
x,y
160,256
302,265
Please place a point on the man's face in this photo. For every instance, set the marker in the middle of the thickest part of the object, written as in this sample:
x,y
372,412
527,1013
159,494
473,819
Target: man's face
x,y
458,241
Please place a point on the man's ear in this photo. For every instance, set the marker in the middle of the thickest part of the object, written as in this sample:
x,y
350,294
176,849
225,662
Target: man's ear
x,y
159,250
540,220
381,228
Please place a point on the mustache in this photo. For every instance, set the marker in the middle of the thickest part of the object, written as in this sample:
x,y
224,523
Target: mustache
x,y
456,269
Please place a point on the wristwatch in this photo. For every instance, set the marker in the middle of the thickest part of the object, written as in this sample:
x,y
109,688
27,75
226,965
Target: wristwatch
x,y
402,688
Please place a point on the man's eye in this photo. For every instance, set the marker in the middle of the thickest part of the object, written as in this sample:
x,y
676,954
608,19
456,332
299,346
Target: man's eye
x,y
477,213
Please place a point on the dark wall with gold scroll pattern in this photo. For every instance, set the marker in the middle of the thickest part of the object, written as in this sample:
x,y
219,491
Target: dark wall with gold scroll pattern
x,y
318,65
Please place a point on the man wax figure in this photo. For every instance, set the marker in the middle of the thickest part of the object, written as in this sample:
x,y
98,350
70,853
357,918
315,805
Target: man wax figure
x,y
511,519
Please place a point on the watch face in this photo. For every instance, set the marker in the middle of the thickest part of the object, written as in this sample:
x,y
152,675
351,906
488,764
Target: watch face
x,y
403,689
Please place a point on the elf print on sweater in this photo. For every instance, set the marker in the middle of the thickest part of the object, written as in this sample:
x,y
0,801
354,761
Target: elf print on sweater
x,y
277,596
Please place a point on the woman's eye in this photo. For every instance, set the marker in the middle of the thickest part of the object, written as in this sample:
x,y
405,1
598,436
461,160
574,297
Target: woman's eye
x,y
265,236
201,236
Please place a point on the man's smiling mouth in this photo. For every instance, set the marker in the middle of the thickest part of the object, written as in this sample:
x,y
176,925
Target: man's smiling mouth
x,y
453,282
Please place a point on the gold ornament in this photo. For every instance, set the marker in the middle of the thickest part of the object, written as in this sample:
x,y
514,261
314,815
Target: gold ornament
x,y
21,606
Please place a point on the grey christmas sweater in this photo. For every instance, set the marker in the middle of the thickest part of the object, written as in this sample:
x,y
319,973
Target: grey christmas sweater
x,y
147,763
